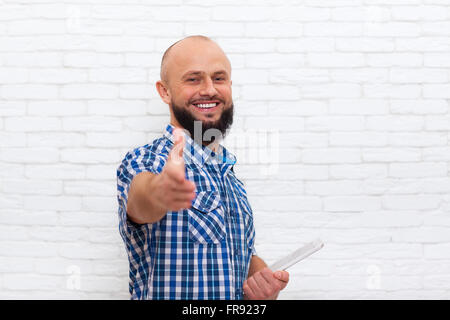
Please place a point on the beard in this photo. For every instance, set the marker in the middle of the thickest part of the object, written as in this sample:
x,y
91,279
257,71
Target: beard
x,y
215,130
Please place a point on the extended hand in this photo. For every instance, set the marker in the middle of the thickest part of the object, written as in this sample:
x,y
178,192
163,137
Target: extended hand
x,y
175,192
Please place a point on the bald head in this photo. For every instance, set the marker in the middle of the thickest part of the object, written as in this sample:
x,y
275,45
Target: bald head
x,y
185,47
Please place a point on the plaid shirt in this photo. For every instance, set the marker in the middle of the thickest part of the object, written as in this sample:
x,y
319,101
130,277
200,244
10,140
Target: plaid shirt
x,y
202,252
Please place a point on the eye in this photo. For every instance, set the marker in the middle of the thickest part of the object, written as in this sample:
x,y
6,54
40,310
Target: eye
x,y
220,79
191,79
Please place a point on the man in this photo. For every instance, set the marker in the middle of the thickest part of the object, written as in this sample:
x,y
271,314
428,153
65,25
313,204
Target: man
x,y
184,215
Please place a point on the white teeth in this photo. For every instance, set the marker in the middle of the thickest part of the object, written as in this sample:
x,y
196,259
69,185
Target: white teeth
x,y
206,105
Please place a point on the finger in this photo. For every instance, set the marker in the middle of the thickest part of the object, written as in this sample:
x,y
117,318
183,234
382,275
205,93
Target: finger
x,y
180,205
184,197
266,287
282,277
248,291
185,186
254,287
175,172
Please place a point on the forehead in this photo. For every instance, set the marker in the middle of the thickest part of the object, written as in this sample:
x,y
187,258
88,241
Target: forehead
x,y
202,56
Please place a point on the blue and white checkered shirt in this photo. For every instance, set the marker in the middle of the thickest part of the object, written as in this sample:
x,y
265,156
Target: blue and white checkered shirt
x,y
202,252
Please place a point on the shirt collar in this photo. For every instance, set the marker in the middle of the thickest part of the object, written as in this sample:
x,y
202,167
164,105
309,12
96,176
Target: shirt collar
x,y
200,154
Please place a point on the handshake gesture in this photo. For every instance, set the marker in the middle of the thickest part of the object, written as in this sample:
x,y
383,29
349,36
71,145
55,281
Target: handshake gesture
x,y
175,192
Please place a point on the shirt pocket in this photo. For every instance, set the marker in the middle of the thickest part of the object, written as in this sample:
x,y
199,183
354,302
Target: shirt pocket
x,y
206,218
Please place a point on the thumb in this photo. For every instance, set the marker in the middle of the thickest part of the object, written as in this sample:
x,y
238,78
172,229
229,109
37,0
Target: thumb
x,y
283,276
176,154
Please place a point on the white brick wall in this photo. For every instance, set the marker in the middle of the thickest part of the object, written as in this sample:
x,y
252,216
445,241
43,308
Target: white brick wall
x,y
356,91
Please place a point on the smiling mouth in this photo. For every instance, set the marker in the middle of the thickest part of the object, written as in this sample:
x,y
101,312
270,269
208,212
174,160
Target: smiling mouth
x,y
206,107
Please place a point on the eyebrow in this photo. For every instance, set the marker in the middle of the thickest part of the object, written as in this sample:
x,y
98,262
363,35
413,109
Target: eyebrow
x,y
194,72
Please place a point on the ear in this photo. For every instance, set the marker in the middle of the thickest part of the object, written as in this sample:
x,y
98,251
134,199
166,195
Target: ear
x,y
163,91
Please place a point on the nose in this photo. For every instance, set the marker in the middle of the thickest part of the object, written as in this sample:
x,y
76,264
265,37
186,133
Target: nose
x,y
208,88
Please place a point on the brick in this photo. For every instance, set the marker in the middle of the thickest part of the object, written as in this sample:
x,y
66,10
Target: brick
x,y
89,91
12,108
358,106
361,13
57,75
332,60
422,235
89,155
123,139
411,202
422,139
137,91
331,156
46,203
401,91
325,188
267,92
417,170
436,154
28,249
21,217
440,28
30,124
358,171
222,13
56,108
13,75
436,91
419,13
13,139
313,44
391,154
143,60
32,59
328,90
287,203
36,27
26,186
81,250
240,45
426,106
92,123
116,44
359,75
55,171
286,76
57,234
351,203
394,123
437,251
216,28
92,60
392,29
117,75
334,123
273,29
327,29
35,155
60,140
28,91
297,108
358,139
90,188
394,59
30,282
275,60
423,44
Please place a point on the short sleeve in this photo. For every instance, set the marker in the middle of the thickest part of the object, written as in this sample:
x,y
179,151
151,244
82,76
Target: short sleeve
x,y
136,161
